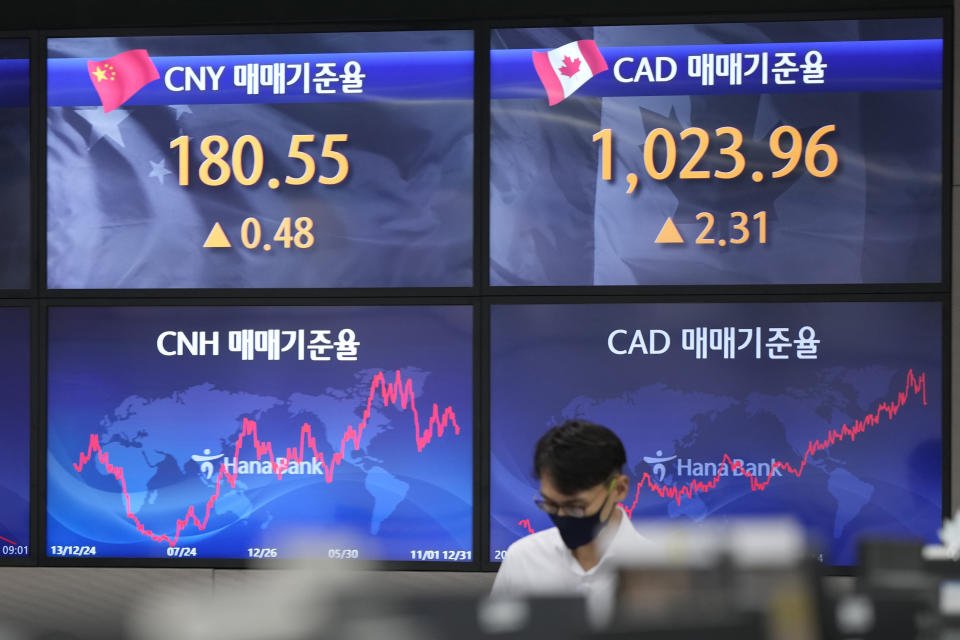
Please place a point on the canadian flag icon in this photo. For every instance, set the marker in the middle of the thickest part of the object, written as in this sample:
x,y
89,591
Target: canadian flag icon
x,y
565,69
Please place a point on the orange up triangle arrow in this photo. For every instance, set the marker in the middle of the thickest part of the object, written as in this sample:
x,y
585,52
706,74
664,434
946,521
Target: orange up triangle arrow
x,y
218,239
669,234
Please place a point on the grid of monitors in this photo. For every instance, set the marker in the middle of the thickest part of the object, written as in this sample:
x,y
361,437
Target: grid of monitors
x,y
287,305
734,158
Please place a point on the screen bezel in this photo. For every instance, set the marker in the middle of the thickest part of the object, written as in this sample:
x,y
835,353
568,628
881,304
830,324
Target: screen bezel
x,y
800,289
833,570
33,128
47,559
31,308
219,292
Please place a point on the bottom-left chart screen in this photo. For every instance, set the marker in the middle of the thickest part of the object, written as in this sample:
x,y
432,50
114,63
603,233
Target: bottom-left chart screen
x,y
268,432
15,452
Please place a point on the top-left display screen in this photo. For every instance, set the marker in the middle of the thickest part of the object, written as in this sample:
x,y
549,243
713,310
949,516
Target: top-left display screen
x,y
15,163
260,161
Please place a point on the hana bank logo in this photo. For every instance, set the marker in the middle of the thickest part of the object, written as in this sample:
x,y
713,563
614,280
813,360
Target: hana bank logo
x,y
565,69
659,469
278,467
206,462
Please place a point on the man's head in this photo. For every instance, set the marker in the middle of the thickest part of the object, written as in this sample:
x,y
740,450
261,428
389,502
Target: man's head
x,y
579,466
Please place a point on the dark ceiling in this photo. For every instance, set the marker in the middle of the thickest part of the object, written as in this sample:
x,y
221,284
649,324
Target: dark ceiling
x,y
67,14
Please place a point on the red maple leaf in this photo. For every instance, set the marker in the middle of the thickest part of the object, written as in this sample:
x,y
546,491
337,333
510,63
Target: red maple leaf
x,y
570,66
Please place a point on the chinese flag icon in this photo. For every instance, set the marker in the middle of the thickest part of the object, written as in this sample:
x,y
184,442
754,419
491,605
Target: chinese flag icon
x,y
116,79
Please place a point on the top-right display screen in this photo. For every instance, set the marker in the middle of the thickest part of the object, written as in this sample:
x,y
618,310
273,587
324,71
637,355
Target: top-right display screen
x,y
717,154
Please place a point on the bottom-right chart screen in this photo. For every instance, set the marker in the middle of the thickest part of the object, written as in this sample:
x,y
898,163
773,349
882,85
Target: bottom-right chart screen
x,y
830,411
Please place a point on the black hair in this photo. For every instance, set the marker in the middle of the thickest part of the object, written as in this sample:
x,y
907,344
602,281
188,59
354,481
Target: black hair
x,y
578,455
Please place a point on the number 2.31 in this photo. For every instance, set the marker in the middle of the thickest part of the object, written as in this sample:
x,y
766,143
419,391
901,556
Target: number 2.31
x,y
740,224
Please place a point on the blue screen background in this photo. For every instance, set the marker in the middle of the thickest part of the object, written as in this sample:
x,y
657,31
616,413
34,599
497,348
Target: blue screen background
x,y
153,413
554,221
118,218
15,169
552,362
15,454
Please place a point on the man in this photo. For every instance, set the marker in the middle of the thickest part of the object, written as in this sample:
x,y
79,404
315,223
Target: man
x,y
579,465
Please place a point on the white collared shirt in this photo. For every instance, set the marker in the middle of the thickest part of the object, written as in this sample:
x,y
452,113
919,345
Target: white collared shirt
x,y
540,564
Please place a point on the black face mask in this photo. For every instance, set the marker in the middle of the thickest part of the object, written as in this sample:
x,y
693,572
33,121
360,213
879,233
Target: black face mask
x,y
576,532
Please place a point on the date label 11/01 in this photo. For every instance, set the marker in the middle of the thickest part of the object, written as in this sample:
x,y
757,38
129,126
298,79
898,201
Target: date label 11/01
x,y
448,555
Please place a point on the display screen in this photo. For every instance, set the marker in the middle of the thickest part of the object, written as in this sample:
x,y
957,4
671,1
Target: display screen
x,y
15,454
15,164
807,152
260,161
241,432
831,412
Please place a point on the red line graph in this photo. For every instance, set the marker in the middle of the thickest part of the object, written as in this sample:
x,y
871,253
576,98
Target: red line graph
x,y
8,540
391,393
915,385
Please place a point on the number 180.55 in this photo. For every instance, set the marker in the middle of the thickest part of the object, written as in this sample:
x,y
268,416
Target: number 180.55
x,y
246,163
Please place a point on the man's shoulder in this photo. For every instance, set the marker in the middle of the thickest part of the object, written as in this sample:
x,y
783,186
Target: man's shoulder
x,y
542,542
631,543
532,564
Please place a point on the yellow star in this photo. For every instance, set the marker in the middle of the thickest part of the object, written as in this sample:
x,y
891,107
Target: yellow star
x,y
100,73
